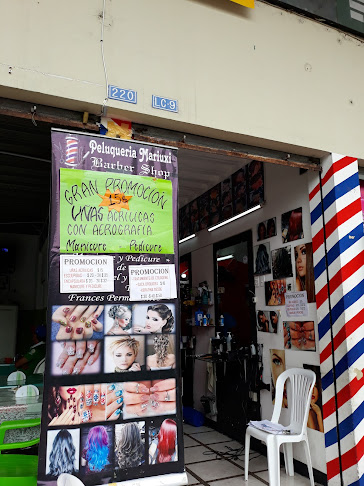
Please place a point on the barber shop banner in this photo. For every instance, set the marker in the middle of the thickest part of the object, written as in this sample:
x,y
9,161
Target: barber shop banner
x,y
112,405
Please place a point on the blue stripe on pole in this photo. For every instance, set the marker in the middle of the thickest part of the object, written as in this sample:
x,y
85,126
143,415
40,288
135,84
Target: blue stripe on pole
x,y
344,243
359,482
316,213
346,361
340,190
347,300
345,427
319,268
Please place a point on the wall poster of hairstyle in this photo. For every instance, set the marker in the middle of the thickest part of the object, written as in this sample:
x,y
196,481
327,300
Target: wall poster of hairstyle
x,y
194,216
240,200
262,260
315,416
266,229
282,262
255,183
111,382
305,279
163,441
204,210
292,228
226,199
275,291
299,335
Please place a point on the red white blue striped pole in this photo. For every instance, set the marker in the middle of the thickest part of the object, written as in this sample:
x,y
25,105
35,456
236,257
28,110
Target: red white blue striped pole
x,y
338,253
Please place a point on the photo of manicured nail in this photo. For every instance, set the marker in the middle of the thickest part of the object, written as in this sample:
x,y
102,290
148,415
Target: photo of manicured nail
x,y
73,318
68,329
63,323
83,318
88,324
71,351
94,321
96,316
86,416
79,353
59,364
91,348
88,398
76,371
119,393
112,387
120,400
144,406
96,397
144,398
154,403
65,372
117,411
79,330
82,401
63,344
66,310
90,361
102,398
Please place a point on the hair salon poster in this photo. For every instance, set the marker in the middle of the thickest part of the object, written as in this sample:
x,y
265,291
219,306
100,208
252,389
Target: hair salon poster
x,y
111,406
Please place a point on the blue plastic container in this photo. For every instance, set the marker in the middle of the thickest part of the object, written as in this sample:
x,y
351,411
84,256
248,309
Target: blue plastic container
x,y
193,417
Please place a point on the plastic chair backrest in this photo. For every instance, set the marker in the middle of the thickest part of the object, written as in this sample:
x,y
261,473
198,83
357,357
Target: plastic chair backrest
x,y
17,424
40,368
299,395
27,391
68,480
17,377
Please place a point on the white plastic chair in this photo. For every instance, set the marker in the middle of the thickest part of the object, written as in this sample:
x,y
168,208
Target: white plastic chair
x,y
299,388
40,368
27,391
16,377
68,480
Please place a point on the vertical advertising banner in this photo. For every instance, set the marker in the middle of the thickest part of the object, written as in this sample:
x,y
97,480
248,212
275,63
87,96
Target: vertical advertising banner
x,y
112,405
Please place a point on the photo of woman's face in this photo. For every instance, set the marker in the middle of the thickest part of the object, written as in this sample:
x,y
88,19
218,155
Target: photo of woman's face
x,y
300,257
154,322
124,357
123,321
315,395
278,363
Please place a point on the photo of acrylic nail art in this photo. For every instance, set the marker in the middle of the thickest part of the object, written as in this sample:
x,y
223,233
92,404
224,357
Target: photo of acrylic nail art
x,y
88,398
86,416
96,396
103,398
75,358
74,322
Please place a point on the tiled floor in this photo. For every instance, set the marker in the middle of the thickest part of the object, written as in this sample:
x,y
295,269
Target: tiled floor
x,y
213,459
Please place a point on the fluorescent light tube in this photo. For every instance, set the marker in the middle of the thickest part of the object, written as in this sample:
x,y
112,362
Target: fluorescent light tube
x,y
227,257
234,218
187,238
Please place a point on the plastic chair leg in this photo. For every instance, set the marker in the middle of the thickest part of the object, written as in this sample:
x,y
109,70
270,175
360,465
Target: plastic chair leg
x,y
309,463
273,462
288,458
247,450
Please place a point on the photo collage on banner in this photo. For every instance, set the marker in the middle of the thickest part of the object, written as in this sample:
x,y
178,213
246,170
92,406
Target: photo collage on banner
x,y
111,395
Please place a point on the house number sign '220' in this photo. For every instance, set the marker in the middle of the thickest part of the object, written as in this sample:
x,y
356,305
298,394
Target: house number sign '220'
x,y
120,94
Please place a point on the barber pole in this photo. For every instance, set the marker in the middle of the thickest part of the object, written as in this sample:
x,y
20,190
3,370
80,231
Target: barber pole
x,y
71,151
338,254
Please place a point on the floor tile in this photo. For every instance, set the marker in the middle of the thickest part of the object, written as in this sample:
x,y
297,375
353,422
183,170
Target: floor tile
x,y
196,454
296,480
211,437
190,429
188,442
258,463
215,470
191,479
239,481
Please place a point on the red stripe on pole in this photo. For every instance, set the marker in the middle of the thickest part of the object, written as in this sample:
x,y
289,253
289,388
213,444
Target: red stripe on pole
x,y
333,468
321,296
353,456
314,192
346,271
342,216
318,240
343,334
336,166
349,391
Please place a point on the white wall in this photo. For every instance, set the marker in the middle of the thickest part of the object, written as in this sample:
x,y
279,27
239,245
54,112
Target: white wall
x,y
265,76
285,190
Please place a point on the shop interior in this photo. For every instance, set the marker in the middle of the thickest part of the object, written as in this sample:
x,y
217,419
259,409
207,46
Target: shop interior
x,y
228,351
